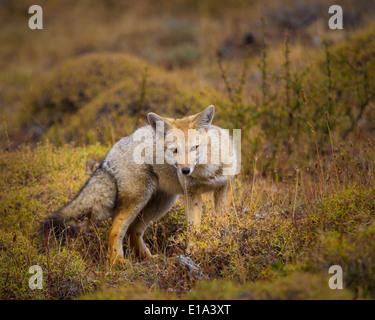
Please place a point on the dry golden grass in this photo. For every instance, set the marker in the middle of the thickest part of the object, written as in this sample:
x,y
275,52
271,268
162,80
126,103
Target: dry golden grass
x,y
304,200
275,229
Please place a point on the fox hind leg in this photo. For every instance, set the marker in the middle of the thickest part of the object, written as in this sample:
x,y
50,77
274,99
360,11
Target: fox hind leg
x,y
117,233
158,205
125,213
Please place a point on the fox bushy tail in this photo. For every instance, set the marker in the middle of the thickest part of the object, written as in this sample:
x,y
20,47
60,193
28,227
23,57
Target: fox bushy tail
x,y
95,200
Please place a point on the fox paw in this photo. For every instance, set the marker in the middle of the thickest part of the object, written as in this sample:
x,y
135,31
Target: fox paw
x,y
147,255
117,260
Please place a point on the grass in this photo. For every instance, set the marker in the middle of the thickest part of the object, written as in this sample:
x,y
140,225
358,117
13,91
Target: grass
x,y
305,197
284,237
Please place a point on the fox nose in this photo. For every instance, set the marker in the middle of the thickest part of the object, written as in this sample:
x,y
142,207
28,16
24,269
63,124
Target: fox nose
x,y
185,170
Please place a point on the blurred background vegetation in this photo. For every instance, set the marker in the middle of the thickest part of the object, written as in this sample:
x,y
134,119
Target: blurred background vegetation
x,y
302,94
99,66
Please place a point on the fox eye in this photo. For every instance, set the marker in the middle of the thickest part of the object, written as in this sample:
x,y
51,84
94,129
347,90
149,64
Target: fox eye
x,y
174,150
194,148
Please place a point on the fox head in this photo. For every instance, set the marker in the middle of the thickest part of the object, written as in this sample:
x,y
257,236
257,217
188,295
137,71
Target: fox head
x,y
183,143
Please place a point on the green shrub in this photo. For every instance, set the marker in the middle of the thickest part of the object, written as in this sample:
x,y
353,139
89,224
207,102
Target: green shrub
x,y
63,270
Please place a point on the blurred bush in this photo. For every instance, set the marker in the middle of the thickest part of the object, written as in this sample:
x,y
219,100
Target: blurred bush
x,y
298,109
101,97
76,82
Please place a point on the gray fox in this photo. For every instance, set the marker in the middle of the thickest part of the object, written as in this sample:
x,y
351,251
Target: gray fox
x,y
134,185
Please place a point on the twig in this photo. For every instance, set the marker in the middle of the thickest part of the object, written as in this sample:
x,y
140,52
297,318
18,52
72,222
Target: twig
x,y
224,77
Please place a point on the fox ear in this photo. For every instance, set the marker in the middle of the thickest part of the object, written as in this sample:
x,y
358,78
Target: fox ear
x,y
153,118
204,118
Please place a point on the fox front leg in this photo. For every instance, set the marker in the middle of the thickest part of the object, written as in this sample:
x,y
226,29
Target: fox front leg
x,y
222,198
193,209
